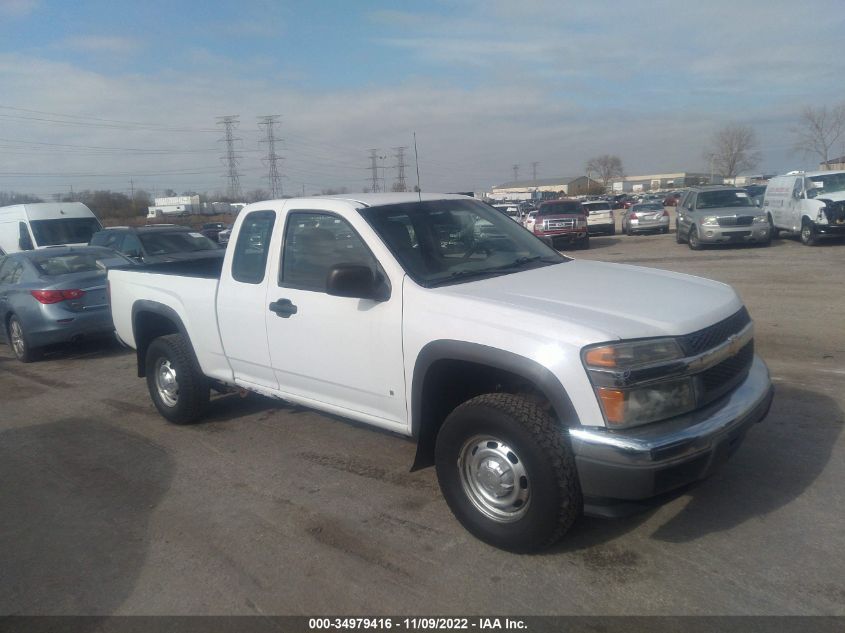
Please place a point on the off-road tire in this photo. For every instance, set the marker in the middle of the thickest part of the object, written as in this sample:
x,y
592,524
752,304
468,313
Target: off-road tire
x,y
555,494
193,394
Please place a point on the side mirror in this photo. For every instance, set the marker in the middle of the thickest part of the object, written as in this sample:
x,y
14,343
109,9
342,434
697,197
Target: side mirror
x,y
357,282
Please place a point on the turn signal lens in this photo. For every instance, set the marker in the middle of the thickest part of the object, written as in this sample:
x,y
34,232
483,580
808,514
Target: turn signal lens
x,y
613,404
601,357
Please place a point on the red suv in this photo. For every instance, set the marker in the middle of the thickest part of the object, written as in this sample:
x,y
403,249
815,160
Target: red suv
x,y
562,221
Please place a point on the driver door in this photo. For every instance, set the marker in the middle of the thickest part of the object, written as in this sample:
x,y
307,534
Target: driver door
x,y
343,353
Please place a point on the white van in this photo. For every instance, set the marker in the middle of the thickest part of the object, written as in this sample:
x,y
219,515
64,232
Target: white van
x,y
812,203
24,227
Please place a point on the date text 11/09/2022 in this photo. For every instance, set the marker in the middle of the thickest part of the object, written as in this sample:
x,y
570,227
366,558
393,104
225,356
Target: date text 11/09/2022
x,y
416,624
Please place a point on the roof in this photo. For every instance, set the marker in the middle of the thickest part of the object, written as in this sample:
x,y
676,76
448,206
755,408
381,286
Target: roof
x,y
540,182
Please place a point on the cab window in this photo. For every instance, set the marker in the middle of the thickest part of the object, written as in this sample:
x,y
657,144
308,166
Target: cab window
x,y
316,242
250,258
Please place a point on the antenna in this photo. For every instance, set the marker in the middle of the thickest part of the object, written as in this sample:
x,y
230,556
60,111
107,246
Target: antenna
x,y
417,162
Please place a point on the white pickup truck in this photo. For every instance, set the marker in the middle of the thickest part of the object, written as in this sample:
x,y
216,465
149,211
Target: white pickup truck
x,y
541,387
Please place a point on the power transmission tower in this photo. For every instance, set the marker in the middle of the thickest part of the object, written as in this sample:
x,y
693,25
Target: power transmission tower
x,y
534,171
400,166
274,179
374,186
229,124
515,172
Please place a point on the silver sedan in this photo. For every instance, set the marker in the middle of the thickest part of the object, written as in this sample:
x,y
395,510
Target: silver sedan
x,y
646,216
54,295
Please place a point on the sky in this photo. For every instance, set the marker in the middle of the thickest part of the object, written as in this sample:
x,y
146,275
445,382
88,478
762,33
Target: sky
x,y
119,95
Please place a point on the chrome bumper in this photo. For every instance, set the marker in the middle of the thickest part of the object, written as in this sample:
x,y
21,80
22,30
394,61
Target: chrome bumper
x,y
654,459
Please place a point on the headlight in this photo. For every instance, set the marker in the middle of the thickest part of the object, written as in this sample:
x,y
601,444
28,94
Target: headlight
x,y
630,405
710,220
629,355
761,219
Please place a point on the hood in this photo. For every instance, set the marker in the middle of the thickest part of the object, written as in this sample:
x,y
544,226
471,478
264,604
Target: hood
x,y
619,300
833,196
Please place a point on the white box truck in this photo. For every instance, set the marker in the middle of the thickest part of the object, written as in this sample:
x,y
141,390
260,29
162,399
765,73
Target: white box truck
x,y
24,227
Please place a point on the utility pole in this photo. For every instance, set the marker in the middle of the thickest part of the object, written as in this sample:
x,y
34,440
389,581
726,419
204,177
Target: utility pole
x,y
229,124
515,172
534,171
374,186
274,179
400,166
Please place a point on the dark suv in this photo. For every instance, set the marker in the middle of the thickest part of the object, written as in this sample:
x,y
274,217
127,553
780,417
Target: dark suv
x,y
157,244
563,222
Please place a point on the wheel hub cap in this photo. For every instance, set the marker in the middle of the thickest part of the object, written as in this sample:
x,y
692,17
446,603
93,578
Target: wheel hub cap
x,y
494,478
166,383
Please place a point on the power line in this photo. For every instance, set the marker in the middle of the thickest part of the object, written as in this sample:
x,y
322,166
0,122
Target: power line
x,y
229,124
274,179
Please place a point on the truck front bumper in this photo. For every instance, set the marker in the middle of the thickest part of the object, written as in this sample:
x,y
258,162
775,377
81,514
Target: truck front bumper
x,y
620,470
722,235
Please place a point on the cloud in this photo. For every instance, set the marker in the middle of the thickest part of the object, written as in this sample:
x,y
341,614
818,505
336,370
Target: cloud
x,y
17,8
102,44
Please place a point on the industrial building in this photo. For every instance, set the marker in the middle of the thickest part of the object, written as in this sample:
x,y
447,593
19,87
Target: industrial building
x,y
635,184
544,189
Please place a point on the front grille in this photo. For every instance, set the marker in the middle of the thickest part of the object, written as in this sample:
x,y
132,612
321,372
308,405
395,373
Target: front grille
x,y
835,212
723,377
564,223
736,220
711,336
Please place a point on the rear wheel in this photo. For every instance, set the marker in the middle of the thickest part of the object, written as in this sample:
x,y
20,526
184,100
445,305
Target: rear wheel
x,y
808,233
612,230
692,239
664,230
507,472
177,387
19,342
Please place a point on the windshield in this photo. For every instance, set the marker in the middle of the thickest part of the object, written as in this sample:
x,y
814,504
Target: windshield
x,y
166,243
561,207
64,231
446,241
828,183
90,261
723,198
592,207
650,206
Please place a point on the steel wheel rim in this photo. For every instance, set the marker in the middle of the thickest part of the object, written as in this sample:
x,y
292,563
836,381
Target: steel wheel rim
x,y
693,237
16,334
494,478
166,381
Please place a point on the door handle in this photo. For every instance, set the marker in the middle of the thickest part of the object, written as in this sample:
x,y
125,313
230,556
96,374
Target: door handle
x,y
283,308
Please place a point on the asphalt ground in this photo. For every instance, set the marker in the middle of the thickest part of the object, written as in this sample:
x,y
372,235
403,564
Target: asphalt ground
x,y
271,509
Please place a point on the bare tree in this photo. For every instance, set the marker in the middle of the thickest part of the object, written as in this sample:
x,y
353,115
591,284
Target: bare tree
x,y
733,150
606,167
819,129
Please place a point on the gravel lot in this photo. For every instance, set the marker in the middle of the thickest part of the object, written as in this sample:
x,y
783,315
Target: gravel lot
x,y
270,509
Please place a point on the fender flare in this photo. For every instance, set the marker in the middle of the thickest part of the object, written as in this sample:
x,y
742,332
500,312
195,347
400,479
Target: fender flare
x,y
160,309
447,349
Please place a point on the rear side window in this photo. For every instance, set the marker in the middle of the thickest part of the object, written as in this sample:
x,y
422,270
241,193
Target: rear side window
x,y
315,243
250,259
11,272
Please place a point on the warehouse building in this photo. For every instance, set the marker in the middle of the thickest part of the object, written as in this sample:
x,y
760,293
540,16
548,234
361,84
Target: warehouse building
x,y
636,184
544,189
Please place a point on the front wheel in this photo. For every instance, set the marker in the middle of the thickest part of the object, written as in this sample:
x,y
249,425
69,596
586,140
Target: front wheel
x,y
612,230
507,472
808,234
774,232
584,243
692,239
177,387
